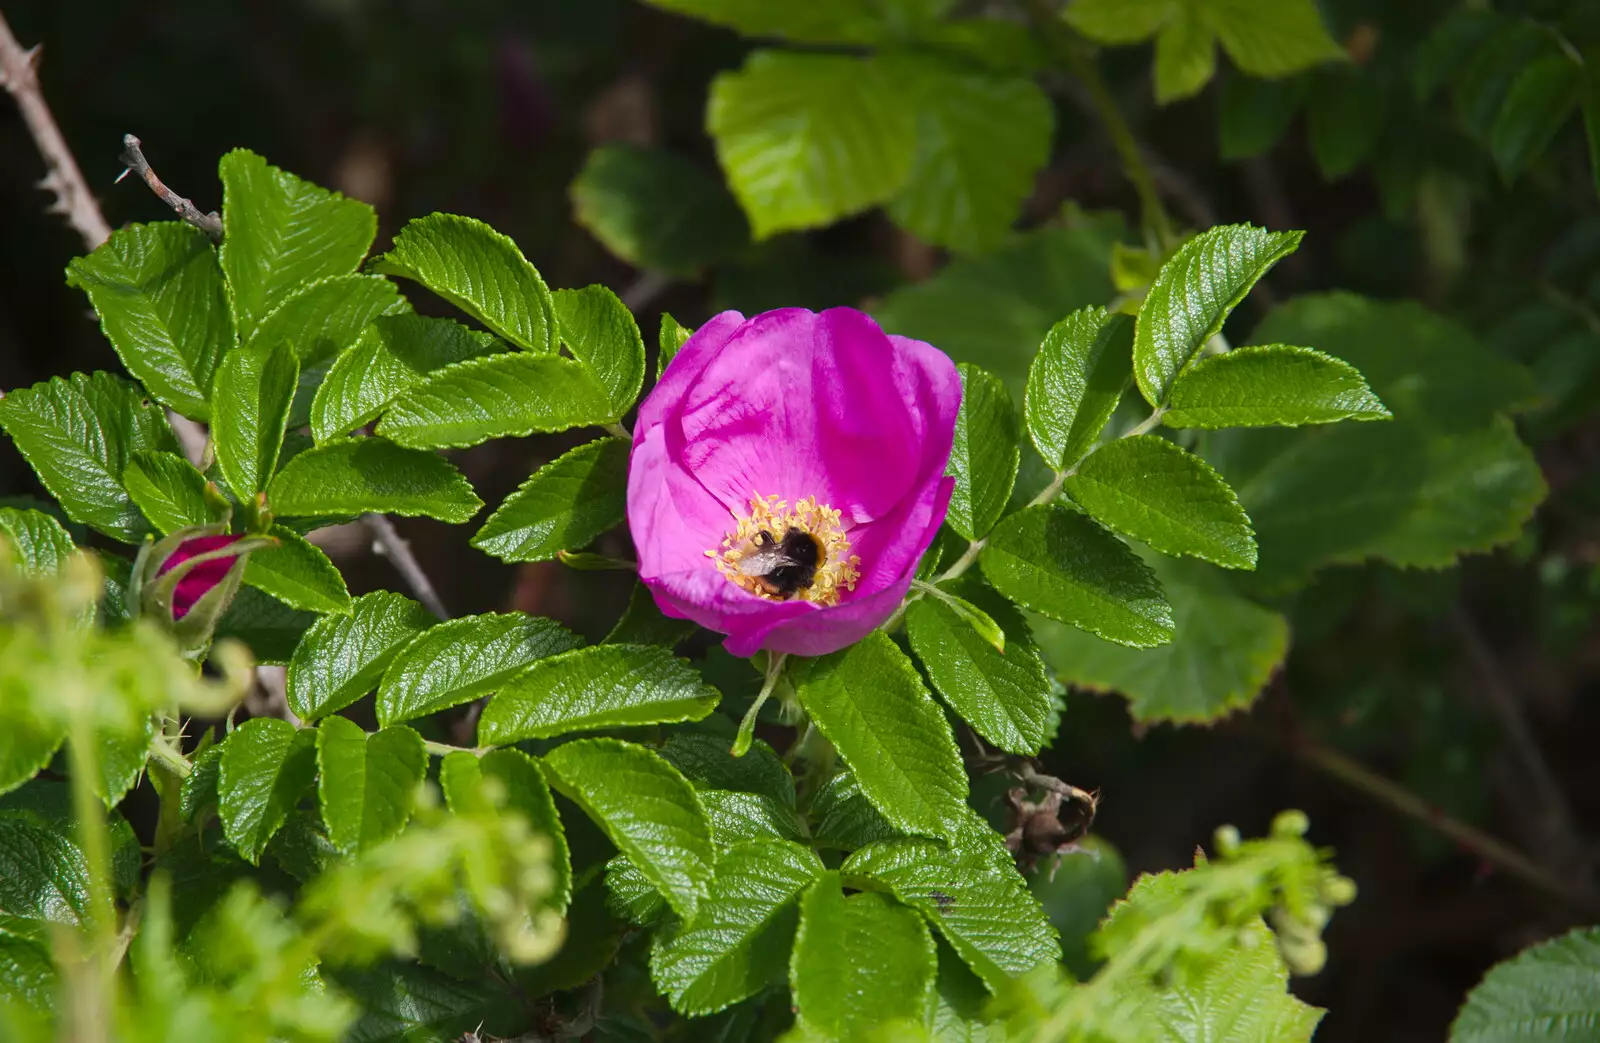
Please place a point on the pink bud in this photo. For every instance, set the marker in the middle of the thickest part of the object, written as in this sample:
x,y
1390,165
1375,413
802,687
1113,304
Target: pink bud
x,y
193,586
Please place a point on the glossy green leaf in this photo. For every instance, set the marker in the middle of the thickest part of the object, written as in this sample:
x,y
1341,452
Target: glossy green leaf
x,y
1271,385
1075,383
37,543
167,489
971,892
656,209
985,456
393,354
478,270
266,625
403,1000
1208,276
563,505
981,139
888,974
27,974
994,310
1548,992
522,789
1148,488
78,434
280,232
342,657
1004,695
869,702
672,337
1225,650
631,897
649,811
121,759
501,396
738,941
806,139
603,686
266,767
1541,99
43,874
600,332
736,816
255,387
159,294
707,762
458,661
1061,564
367,784
845,818
371,474
1186,56
297,573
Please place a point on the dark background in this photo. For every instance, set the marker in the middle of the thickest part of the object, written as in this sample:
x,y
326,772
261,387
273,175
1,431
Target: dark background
x,y
489,108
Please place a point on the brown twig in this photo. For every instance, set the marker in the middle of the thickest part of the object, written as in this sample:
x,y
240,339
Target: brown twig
x,y
18,73
1399,799
133,156
388,542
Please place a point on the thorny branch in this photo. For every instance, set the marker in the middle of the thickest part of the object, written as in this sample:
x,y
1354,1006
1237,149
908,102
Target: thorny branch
x,y
133,156
18,72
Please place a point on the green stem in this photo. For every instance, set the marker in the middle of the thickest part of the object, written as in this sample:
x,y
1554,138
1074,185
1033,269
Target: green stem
x,y
619,431
163,752
444,749
747,726
92,1003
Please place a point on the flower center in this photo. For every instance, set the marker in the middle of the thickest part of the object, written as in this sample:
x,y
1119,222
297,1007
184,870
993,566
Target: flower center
x,y
779,552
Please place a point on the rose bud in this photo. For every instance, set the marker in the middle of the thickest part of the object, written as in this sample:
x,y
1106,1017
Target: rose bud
x,y
787,474
187,579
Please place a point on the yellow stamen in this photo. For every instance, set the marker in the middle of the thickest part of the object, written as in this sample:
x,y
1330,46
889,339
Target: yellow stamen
x,y
837,569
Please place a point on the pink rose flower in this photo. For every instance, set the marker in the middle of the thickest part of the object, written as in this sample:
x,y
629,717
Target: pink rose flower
x,y
788,474
203,576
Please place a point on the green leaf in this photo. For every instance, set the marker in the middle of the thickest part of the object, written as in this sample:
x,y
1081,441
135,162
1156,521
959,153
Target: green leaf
x,y
649,811
323,318
159,294
806,139
255,387
1225,650
994,310
631,897
367,784
1345,117
1061,564
888,974
600,332
371,474
280,232
78,434
199,790
121,760
826,21
845,817
563,505
603,686
657,210
706,761
28,742
270,628
869,702
167,489
1075,383
27,974
985,456
981,139
1186,56
1004,695
643,623
458,661
1590,106
1541,98
342,657
43,874
266,767
1271,38
1118,21
737,817
1240,994
297,573
523,789
1271,385
1253,116
738,941
38,543
1208,276
971,892
402,1001
673,337
393,354
501,396
1548,991
478,270
1148,488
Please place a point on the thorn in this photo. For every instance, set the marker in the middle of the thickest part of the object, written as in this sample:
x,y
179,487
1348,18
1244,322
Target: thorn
x,y
125,172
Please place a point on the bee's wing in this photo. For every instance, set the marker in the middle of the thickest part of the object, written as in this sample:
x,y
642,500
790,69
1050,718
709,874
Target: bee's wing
x,y
762,561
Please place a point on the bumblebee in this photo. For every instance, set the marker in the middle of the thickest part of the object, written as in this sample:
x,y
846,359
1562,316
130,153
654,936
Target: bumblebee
x,y
782,567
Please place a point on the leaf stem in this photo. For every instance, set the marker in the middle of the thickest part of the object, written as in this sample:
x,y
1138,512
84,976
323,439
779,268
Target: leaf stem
x,y
747,726
444,749
161,749
619,431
